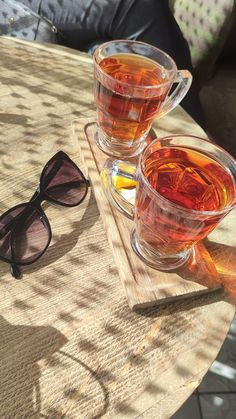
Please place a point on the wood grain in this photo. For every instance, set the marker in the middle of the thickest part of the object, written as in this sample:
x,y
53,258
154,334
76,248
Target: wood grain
x,y
69,344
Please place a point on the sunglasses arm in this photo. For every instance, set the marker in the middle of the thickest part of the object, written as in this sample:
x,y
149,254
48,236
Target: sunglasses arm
x,y
15,271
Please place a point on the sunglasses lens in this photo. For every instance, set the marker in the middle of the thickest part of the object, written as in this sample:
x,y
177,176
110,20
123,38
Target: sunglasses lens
x,y
63,182
24,234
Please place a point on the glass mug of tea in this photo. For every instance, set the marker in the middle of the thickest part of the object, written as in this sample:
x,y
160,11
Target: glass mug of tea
x,y
185,185
132,82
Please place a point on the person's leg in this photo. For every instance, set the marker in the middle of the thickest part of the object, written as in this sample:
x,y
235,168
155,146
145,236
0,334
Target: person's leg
x,y
86,21
79,22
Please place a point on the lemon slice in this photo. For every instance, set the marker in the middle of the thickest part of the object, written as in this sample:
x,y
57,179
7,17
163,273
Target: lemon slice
x,y
123,183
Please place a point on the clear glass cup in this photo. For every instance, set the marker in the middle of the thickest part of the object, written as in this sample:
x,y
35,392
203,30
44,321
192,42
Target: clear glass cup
x,y
132,82
185,185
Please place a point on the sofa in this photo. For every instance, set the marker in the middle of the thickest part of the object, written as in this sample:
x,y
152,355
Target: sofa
x,y
209,26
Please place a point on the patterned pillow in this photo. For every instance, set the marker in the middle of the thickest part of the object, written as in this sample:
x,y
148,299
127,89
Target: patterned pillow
x,y
229,50
205,24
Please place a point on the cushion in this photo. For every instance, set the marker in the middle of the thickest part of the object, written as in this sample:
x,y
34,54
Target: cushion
x,y
221,117
205,25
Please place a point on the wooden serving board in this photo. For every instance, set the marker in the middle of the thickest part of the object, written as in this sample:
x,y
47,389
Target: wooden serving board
x,y
144,286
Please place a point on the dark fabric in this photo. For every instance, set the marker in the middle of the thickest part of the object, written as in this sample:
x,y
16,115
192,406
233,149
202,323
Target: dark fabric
x,y
82,24
18,20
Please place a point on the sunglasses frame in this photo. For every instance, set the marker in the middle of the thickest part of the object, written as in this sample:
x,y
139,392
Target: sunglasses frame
x,y
35,202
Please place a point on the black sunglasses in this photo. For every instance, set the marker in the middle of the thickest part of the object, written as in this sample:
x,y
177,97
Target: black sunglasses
x,y
25,232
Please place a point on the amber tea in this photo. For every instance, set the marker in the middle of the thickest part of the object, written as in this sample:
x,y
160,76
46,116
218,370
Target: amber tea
x,y
185,186
190,180
124,111
132,84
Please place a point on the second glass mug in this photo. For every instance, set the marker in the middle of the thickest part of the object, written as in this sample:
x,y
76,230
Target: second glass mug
x,y
132,82
185,186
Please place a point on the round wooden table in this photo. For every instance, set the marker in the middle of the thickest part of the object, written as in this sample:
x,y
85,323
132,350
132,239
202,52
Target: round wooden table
x,y
69,344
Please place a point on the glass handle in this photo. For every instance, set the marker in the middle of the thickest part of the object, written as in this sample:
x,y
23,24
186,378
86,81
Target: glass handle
x,y
184,79
119,183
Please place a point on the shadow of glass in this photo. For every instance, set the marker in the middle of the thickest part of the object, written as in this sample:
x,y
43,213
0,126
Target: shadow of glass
x,y
201,269
213,267
21,347
224,259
